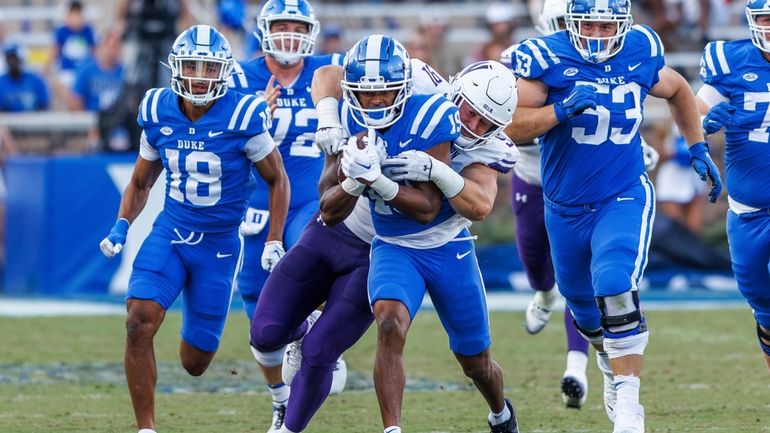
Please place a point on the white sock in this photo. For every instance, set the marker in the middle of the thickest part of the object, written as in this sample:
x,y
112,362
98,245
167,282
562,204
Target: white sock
x,y
577,360
603,361
280,393
628,389
392,429
499,418
146,430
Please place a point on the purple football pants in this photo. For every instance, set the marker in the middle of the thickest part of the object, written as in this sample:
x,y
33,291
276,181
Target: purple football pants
x,y
327,264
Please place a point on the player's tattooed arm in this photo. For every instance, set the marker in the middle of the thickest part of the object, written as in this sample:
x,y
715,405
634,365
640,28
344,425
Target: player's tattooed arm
x,y
271,169
531,118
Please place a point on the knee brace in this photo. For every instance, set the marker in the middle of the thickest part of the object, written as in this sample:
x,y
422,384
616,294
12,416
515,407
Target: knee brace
x,y
621,316
268,359
764,339
594,337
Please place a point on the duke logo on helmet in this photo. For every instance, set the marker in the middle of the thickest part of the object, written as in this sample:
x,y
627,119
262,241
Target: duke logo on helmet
x,y
287,47
200,63
598,49
377,63
490,89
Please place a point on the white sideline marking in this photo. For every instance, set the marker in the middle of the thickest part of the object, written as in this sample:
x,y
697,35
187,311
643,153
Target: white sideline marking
x,y
35,308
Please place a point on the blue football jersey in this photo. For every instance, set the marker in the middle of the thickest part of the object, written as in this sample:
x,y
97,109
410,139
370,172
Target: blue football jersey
x,y
294,125
739,72
208,162
427,121
597,154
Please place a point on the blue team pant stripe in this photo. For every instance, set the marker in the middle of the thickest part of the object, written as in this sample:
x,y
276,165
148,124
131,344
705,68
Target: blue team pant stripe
x,y
421,113
645,232
237,111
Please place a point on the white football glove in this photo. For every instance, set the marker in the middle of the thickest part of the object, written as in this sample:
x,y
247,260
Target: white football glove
x,y
113,243
412,165
651,156
272,254
360,163
330,140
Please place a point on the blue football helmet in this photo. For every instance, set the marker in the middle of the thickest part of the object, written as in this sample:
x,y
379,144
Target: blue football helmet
x,y
377,63
200,62
287,47
598,49
759,34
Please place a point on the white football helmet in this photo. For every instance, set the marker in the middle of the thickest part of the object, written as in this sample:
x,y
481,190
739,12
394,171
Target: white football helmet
x,y
551,12
490,89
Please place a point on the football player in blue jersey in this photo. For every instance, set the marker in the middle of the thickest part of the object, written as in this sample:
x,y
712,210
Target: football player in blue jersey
x,y
735,97
207,139
418,231
287,30
583,90
532,238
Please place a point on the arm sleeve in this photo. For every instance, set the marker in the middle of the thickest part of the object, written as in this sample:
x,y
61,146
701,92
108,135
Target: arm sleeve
x,y
259,146
146,150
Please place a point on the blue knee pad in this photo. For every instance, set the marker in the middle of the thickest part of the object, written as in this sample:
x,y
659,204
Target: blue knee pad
x,y
621,315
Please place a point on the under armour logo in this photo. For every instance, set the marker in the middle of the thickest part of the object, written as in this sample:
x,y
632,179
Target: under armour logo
x,y
320,220
426,168
521,197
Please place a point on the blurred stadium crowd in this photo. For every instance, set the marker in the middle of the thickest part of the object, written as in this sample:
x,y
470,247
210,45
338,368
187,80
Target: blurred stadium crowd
x,y
72,72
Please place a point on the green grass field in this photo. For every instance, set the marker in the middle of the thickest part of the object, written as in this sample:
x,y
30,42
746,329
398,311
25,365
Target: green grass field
x,y
703,373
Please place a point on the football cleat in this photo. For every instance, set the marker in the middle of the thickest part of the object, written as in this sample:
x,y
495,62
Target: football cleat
x,y
574,388
292,357
629,418
539,311
610,393
510,426
339,376
279,413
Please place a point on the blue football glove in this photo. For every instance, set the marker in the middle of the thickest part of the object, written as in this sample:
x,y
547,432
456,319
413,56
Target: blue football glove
x,y
113,243
719,117
704,166
582,98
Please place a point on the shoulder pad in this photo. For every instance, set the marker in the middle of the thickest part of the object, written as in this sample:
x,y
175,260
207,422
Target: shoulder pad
x,y
532,58
713,62
251,115
652,40
432,113
148,108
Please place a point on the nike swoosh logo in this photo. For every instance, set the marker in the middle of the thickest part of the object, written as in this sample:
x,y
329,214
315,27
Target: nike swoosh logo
x,y
364,166
222,256
632,67
624,198
404,143
461,256
214,134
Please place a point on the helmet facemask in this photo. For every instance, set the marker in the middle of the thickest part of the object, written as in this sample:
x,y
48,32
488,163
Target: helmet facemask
x,y
379,117
759,33
287,47
200,63
597,49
